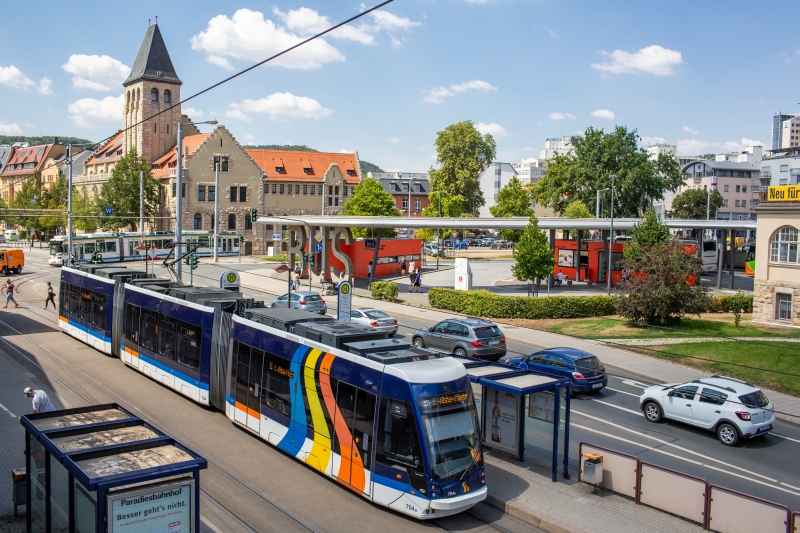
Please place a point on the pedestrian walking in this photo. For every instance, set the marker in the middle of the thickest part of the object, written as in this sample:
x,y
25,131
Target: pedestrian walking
x,y
403,267
51,296
41,402
9,289
411,267
296,282
418,281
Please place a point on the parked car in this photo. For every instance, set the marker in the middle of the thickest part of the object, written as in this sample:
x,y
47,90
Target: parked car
x,y
2,238
471,337
303,300
461,245
432,249
487,242
585,370
501,243
375,318
732,409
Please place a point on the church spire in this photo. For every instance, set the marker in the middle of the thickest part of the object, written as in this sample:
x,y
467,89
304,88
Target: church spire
x,y
153,61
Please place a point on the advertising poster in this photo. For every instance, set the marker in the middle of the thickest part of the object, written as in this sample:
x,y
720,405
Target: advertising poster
x,y
501,428
566,258
163,509
542,406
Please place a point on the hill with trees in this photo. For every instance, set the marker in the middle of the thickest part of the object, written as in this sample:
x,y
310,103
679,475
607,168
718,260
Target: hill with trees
x,y
45,139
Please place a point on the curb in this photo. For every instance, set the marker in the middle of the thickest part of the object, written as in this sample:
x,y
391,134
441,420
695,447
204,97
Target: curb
x,y
523,512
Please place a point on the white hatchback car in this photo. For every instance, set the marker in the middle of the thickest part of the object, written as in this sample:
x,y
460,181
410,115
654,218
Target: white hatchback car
x,y
733,409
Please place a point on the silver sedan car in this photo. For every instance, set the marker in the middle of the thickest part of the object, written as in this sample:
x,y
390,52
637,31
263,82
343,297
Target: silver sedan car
x,y
375,318
303,300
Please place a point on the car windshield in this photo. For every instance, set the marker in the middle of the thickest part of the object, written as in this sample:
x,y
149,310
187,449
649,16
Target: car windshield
x,y
488,331
451,432
754,399
375,313
588,363
312,297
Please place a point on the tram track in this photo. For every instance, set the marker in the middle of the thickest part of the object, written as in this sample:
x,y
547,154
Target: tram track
x,y
238,480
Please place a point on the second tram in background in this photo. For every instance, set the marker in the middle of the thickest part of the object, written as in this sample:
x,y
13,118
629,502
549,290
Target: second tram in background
x,y
123,247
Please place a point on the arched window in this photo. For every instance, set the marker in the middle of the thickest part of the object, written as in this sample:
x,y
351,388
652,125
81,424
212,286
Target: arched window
x,y
154,94
198,221
232,221
166,96
783,247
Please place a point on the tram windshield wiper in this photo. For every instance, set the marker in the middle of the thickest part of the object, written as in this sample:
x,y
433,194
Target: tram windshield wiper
x,y
474,460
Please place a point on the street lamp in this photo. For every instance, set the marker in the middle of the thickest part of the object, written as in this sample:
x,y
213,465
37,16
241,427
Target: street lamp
x,y
216,209
179,192
597,205
611,235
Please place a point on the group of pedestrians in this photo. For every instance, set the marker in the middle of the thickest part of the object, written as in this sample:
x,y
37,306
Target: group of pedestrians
x,y
414,275
9,289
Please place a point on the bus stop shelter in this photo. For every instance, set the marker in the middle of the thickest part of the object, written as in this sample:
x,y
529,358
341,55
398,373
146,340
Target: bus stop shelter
x,y
100,469
522,411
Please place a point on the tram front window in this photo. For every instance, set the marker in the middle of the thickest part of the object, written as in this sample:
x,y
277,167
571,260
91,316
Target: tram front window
x,y
451,432
56,248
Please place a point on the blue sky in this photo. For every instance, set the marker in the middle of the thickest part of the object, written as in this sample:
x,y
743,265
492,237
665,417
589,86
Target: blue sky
x,y
707,75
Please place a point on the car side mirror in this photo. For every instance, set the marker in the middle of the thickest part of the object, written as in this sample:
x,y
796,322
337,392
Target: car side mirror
x,y
430,328
671,392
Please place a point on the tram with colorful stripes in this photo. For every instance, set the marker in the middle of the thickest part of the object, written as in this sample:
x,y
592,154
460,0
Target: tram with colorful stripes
x,y
392,423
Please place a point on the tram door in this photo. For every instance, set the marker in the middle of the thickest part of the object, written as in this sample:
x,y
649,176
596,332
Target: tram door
x,y
357,409
248,385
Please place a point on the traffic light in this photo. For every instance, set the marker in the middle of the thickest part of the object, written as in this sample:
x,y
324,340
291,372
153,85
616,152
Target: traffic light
x,y
186,260
254,214
311,259
194,262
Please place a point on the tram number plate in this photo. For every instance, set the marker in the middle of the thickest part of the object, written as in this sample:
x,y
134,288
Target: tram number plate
x,y
451,493
411,508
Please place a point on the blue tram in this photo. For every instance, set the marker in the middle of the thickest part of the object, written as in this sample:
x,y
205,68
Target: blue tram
x,y
392,423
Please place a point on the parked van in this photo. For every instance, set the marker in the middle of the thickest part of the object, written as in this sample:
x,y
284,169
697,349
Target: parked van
x,y
11,235
12,261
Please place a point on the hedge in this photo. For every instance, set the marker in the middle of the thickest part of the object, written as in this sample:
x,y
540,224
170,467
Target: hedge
x,y
384,290
490,305
724,304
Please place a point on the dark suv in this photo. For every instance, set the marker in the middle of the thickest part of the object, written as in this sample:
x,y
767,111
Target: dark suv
x,y
470,337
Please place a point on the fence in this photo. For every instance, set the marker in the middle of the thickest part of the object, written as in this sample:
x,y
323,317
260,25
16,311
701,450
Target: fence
x,y
693,498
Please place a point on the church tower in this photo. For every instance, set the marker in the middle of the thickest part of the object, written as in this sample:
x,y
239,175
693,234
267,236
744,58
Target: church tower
x,y
151,87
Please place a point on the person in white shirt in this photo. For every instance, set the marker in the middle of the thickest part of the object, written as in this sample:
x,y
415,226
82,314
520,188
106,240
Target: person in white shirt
x,y
41,402
560,277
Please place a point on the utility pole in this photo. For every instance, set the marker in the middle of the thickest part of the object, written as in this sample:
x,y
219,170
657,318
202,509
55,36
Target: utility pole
x,y
216,208
611,235
439,234
179,202
141,206
69,206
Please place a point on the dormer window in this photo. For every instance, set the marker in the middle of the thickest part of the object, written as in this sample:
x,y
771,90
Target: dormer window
x,y
351,172
307,171
280,170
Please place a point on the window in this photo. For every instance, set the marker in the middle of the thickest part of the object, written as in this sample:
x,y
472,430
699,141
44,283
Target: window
x,y
233,193
296,190
405,187
319,190
223,166
685,393
166,96
189,345
744,188
441,327
344,190
174,188
148,330
417,205
274,187
232,221
201,193
248,224
305,190
131,323
330,201
154,94
351,172
784,168
737,203
783,247
313,189
725,203
198,221
307,171
98,310
398,440
212,193
405,204
712,396
738,188
166,337
330,190
242,194
726,188
280,170
281,188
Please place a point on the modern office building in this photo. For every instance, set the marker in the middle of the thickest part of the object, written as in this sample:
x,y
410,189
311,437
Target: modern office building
x,y
554,146
777,129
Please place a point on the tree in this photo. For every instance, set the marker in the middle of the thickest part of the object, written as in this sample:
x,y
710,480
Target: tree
x,y
30,196
462,153
577,209
692,204
596,157
664,284
121,193
513,200
451,207
646,233
534,257
84,211
369,199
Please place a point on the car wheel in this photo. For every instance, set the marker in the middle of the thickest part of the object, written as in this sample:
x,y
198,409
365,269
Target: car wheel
x,y
728,434
5,271
418,342
274,306
652,412
461,352
18,270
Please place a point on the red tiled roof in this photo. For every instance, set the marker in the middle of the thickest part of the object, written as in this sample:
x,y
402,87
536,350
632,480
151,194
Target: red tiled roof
x,y
169,160
294,164
24,156
108,152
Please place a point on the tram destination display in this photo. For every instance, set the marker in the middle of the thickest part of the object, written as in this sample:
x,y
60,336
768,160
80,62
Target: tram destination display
x,y
162,508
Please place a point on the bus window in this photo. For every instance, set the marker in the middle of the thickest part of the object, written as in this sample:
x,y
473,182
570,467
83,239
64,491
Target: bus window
x,y
189,345
166,337
88,248
709,246
148,330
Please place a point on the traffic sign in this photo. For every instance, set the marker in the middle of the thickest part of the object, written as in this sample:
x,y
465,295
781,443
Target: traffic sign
x,y
109,210
276,236
318,247
454,234
345,301
319,237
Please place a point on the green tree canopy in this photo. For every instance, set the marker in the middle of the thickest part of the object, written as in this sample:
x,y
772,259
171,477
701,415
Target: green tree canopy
x,y
596,157
84,210
534,256
451,207
692,203
462,153
577,209
121,193
369,199
513,200
646,233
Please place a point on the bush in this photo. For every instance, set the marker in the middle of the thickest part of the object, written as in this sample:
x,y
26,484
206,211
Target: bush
x,y
384,290
490,305
728,304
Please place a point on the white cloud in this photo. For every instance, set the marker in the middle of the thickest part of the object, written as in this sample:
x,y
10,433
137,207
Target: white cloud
x,y
700,147
249,140
219,61
10,129
653,140
345,151
385,20
91,112
604,114
396,43
551,32
495,129
394,140
45,86
691,131
13,77
557,115
654,59
97,73
279,104
192,112
437,95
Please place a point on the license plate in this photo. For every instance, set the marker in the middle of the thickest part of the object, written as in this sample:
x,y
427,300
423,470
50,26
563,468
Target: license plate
x,y
493,343
764,428
597,385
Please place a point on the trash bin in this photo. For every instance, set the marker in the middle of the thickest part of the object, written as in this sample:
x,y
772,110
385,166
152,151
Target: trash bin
x,y
19,491
592,468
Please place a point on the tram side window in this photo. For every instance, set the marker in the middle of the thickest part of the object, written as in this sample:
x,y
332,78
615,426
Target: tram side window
x,y
63,296
99,310
132,323
74,300
275,390
243,373
234,363
189,345
111,246
148,330
166,337
398,440
86,305
363,422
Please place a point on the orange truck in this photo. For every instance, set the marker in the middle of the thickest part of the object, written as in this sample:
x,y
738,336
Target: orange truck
x,y
12,260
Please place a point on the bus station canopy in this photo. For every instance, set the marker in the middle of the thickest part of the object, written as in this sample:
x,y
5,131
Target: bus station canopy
x,y
511,223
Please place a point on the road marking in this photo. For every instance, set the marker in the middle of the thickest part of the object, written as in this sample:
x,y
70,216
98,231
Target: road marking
x,y
633,383
667,443
790,486
208,524
618,407
784,437
623,392
657,450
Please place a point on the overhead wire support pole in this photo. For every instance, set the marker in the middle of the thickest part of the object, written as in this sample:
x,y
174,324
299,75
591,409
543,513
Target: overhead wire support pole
x,y
611,236
69,206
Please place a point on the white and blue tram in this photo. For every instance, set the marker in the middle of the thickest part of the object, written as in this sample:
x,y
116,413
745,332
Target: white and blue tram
x,y
128,246
392,423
